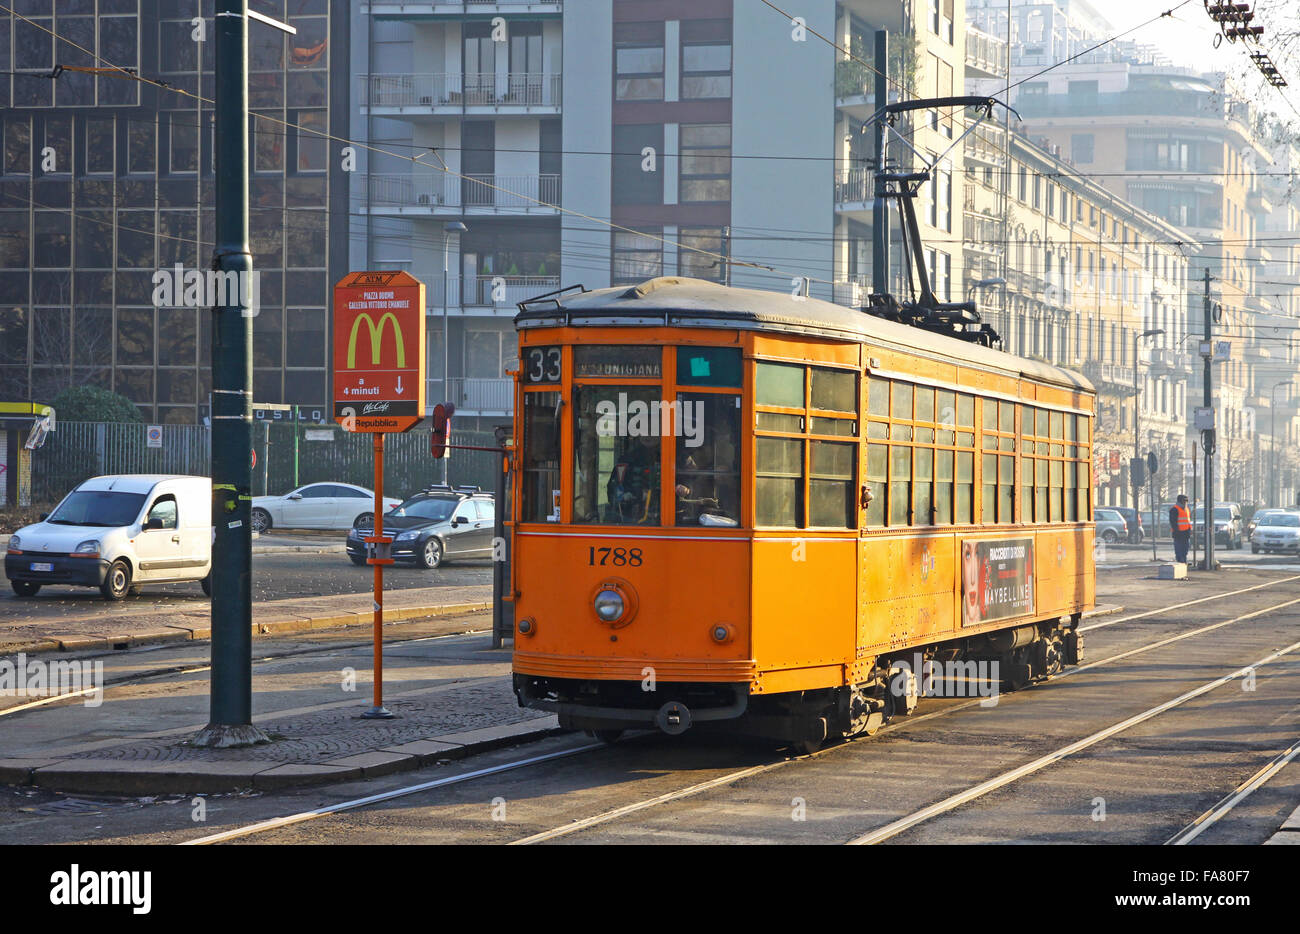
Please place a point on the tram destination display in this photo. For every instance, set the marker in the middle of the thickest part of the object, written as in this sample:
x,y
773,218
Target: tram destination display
x,y
997,579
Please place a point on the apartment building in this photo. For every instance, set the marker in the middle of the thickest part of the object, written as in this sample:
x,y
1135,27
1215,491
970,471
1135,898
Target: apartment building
x,y
464,103
1075,275
930,54
105,180
1182,147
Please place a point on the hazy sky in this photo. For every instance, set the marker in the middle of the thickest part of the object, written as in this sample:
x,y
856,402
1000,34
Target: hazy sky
x,y
1187,38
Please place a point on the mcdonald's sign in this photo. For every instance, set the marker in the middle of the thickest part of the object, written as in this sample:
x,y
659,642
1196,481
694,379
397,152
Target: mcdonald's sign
x,y
379,351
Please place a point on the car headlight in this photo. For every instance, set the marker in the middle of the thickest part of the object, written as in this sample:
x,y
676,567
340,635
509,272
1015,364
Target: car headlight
x,y
15,543
609,605
88,547
406,536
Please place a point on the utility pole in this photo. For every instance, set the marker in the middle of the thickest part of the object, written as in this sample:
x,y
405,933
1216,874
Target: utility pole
x,y
1272,437
230,719
879,207
1207,434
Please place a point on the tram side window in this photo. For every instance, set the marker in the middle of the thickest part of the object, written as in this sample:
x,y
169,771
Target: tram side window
x,y
541,457
877,478
778,482
616,463
997,470
707,486
819,406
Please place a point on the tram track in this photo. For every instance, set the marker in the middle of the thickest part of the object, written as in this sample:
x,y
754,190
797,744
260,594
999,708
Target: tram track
x,y
722,781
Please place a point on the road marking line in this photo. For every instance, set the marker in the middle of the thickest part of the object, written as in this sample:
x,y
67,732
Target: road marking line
x,y
1239,794
896,827
1179,606
641,805
277,822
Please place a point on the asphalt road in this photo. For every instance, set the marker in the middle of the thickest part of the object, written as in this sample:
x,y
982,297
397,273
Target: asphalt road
x,y
275,577
1140,784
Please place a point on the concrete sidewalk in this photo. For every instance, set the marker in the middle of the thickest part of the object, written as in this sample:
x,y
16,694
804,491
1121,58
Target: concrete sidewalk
x,y
451,695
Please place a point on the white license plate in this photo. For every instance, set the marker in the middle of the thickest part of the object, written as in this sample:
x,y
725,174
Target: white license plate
x,y
38,566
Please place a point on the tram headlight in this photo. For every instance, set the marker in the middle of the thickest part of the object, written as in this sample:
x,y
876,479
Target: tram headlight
x,y
609,605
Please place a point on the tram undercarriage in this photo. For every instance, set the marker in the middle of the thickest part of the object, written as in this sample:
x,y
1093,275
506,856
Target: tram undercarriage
x,y
980,666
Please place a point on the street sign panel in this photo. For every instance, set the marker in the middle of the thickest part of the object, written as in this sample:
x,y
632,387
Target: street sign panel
x,y
379,351
153,436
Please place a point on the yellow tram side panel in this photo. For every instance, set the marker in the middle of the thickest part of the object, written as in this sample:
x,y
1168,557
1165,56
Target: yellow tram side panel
x,y
804,610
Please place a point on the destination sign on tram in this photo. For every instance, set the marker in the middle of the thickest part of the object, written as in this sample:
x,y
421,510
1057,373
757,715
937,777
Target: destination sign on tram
x,y
379,351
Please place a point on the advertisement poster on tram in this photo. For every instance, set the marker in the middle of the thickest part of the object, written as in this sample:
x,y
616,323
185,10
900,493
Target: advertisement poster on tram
x,y
997,580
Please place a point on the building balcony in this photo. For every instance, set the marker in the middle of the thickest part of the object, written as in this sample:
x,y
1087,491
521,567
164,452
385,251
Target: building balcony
x,y
484,294
986,55
452,94
439,195
396,9
1110,377
855,190
473,395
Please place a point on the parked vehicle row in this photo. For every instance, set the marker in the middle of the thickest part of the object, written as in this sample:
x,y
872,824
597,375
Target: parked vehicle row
x,y
119,532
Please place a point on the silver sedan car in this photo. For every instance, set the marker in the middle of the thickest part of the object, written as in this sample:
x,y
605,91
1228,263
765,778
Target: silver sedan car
x,y
1111,526
1277,531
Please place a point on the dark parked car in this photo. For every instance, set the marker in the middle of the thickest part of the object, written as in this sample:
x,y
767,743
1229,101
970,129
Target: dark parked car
x,y
440,524
1136,528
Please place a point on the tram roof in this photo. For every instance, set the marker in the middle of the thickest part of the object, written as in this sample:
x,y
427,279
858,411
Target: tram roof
x,y
686,302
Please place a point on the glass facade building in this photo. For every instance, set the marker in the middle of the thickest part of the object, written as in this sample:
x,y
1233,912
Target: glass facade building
x,y
106,180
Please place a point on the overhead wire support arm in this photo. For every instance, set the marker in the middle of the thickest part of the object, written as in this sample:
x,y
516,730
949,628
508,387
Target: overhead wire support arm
x,y
954,319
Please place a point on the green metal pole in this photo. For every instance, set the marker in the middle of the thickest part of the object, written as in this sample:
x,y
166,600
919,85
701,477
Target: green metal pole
x,y
231,700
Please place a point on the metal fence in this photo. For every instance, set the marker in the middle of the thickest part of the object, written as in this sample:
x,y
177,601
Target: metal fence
x,y
76,451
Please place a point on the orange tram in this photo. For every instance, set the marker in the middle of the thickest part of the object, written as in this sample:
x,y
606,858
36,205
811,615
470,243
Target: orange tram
x,y
756,511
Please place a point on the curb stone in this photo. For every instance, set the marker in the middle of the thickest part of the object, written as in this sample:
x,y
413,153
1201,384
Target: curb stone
x,y
104,776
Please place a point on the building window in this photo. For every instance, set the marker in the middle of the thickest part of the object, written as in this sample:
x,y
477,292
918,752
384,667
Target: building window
x,y
637,257
705,173
18,145
706,71
1081,148
633,183
312,151
700,252
639,68
941,17
183,146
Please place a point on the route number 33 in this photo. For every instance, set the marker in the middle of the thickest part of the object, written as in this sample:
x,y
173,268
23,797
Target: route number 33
x,y
542,365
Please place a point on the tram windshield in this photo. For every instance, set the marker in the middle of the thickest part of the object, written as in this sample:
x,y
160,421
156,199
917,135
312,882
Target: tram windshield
x,y
616,462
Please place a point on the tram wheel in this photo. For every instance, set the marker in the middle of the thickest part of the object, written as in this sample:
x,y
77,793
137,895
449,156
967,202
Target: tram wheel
x,y
608,737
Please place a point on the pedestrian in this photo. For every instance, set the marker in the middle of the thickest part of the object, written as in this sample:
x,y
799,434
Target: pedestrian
x,y
1180,525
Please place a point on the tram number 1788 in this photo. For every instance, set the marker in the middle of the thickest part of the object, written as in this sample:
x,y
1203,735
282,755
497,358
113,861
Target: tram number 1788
x,y
618,557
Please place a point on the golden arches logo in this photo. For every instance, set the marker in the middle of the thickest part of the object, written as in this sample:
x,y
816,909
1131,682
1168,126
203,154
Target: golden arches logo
x,y
376,338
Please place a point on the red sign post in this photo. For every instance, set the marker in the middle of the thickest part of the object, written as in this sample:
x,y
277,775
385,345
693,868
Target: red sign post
x,y
379,351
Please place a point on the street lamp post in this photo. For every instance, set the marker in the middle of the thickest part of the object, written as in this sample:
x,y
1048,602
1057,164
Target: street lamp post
x,y
1137,435
451,227
1272,435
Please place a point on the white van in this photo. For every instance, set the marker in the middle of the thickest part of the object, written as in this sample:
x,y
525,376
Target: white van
x,y
116,533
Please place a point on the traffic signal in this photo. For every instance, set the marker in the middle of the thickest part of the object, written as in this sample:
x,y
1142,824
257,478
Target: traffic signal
x,y
1153,465
442,413
1137,471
